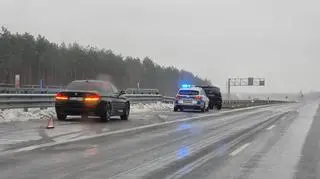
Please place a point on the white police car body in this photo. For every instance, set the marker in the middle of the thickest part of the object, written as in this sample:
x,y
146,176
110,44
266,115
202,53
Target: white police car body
x,y
191,97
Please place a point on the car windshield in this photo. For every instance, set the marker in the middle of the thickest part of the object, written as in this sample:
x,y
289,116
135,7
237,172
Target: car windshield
x,y
188,92
90,86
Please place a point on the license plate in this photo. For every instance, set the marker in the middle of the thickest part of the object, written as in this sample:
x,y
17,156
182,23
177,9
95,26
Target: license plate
x,y
76,98
187,101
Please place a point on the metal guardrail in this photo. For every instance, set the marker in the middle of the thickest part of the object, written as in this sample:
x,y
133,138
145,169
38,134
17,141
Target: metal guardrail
x,y
231,104
35,89
10,101
6,85
30,90
141,91
144,98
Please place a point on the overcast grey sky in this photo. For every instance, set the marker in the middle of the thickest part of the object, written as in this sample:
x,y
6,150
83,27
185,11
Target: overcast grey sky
x,y
216,39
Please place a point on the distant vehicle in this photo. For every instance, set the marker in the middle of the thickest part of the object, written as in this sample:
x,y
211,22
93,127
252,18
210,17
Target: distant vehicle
x,y
92,98
189,97
214,96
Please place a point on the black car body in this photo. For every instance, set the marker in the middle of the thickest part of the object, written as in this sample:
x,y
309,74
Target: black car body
x,y
214,95
91,98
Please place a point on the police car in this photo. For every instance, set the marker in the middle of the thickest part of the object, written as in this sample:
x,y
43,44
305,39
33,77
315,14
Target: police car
x,y
191,97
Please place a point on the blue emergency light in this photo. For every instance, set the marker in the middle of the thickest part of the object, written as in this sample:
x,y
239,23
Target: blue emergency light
x,y
186,86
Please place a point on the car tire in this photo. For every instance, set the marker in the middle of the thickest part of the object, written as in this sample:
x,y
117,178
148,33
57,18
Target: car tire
x,y
105,117
84,116
219,106
204,108
126,112
211,106
175,109
61,117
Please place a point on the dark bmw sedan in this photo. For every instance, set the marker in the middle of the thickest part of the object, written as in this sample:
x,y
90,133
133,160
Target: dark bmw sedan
x,y
92,98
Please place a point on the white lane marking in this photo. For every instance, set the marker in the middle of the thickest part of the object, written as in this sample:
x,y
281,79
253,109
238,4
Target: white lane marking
x,y
67,137
238,150
271,127
127,130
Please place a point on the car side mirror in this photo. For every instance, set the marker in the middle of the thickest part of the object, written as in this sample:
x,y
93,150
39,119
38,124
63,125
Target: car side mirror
x,y
122,92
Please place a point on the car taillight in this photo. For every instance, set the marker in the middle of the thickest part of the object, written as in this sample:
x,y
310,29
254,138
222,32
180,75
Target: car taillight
x,y
178,97
92,98
198,98
61,97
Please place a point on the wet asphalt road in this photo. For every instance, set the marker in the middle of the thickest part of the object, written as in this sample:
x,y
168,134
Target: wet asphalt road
x,y
257,143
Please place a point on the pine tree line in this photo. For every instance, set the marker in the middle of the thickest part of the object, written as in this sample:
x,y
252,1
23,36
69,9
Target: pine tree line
x,y
36,58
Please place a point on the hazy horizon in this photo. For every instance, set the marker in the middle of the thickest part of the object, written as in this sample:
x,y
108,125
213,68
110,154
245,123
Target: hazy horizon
x,y
214,39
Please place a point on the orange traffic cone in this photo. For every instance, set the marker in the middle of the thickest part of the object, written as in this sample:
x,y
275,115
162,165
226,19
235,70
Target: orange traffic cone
x,y
50,123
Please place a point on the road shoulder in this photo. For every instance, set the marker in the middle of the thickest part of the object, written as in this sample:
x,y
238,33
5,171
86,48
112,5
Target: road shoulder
x,y
282,159
308,166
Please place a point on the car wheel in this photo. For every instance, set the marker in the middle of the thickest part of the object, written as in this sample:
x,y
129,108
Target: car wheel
x,y
211,106
126,112
84,116
219,106
204,108
61,117
105,117
175,109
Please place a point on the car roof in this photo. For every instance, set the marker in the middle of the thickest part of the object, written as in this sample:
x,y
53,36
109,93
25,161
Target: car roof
x,y
192,88
207,86
88,81
91,81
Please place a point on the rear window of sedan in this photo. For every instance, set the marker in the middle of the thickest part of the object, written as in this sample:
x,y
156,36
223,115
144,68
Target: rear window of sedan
x,y
188,92
90,86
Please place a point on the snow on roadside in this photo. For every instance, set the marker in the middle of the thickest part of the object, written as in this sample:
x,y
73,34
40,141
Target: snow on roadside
x,y
137,108
12,115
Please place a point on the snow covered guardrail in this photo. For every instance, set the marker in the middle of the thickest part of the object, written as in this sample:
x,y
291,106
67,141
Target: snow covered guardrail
x,y
11,101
